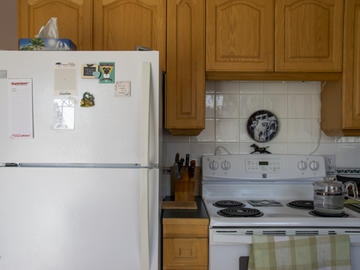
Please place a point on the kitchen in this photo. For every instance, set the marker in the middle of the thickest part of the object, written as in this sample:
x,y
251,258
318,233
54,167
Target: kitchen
x,y
231,98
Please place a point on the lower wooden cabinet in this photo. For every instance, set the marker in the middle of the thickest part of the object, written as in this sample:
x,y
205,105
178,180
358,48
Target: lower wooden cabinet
x,y
185,243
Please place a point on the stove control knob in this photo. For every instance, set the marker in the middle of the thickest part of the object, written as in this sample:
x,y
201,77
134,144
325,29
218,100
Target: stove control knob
x,y
213,165
226,165
302,165
314,165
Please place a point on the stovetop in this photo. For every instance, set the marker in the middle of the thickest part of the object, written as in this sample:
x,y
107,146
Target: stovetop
x,y
272,181
279,216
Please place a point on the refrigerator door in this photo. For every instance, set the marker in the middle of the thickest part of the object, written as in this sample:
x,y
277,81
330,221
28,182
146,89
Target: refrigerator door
x,y
73,218
115,130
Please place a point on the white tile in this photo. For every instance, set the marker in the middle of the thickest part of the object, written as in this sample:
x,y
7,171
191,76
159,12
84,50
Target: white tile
x,y
227,130
274,148
233,148
300,148
208,134
326,149
210,86
327,139
276,104
303,130
303,106
275,87
316,106
250,104
227,106
210,106
251,87
171,150
244,136
167,137
282,136
311,87
199,149
227,87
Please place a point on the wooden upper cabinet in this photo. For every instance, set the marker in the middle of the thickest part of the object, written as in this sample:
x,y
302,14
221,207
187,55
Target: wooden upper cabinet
x,y
340,100
351,79
74,19
185,77
240,35
308,35
125,24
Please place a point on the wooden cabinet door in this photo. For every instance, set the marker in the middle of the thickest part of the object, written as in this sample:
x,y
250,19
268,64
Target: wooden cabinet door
x,y
185,79
308,35
185,253
351,75
125,24
74,19
240,35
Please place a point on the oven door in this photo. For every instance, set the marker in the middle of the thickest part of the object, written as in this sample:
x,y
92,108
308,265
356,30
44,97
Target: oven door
x,y
230,248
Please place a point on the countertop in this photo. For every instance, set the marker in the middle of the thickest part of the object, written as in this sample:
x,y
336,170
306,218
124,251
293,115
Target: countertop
x,y
186,213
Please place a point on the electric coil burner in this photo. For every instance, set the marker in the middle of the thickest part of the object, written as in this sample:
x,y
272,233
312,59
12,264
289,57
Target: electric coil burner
x,y
319,214
302,204
269,195
240,212
228,203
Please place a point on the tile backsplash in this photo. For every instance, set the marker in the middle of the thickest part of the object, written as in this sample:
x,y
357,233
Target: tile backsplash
x,y
229,105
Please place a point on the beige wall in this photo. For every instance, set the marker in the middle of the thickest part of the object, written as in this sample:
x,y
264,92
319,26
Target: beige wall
x,y
8,25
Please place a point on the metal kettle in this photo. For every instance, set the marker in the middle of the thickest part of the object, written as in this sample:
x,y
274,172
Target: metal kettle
x,y
329,195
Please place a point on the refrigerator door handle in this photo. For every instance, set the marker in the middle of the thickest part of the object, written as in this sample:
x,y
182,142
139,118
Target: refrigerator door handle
x,y
144,221
146,70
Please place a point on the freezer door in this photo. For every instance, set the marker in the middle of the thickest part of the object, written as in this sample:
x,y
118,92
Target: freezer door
x,y
78,219
118,129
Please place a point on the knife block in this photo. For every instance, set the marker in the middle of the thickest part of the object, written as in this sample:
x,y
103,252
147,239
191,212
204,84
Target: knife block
x,y
184,187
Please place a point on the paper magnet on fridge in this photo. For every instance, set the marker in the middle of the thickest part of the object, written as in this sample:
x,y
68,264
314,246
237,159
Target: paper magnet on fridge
x,y
88,100
107,72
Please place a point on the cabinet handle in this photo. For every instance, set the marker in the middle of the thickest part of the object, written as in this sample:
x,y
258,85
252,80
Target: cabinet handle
x,y
243,262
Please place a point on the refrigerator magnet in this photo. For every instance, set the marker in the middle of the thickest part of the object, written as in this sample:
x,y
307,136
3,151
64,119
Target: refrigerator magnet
x,y
88,100
88,70
107,71
123,89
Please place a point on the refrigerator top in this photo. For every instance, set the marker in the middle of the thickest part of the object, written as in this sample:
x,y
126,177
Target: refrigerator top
x,y
117,130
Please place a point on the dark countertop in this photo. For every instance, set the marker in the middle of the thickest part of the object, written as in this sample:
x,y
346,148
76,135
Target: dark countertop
x,y
185,213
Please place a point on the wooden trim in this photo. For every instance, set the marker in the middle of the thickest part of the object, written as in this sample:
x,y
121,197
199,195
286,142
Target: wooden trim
x,y
185,132
274,76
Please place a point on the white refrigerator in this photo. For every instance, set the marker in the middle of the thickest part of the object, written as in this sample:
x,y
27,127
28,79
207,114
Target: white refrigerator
x,y
84,196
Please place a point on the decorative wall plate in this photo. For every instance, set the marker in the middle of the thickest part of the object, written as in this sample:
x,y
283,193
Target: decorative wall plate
x,y
262,126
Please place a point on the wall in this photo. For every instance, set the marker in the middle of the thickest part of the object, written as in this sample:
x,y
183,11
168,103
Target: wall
x,y
8,22
230,103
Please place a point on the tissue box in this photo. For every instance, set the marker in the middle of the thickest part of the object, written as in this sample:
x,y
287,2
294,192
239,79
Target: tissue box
x,y
46,44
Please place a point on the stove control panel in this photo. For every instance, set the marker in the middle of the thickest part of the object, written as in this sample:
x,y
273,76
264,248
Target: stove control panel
x,y
263,167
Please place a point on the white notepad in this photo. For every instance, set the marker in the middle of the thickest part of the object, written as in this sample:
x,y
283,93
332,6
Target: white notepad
x,y
20,93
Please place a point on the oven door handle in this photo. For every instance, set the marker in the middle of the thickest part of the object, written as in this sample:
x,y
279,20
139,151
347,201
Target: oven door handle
x,y
243,262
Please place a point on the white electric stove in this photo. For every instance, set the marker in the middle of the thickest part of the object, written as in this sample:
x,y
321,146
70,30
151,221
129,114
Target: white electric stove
x,y
247,195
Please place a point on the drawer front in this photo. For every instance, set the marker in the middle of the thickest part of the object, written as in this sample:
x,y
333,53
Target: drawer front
x,y
180,253
185,230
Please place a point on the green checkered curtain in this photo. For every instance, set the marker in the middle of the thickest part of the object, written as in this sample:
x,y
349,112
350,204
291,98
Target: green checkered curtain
x,y
300,253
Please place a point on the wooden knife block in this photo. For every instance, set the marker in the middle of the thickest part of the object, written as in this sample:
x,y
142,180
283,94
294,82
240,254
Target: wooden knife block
x,y
184,188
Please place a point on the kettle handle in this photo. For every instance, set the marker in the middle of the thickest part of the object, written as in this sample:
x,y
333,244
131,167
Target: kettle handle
x,y
354,189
